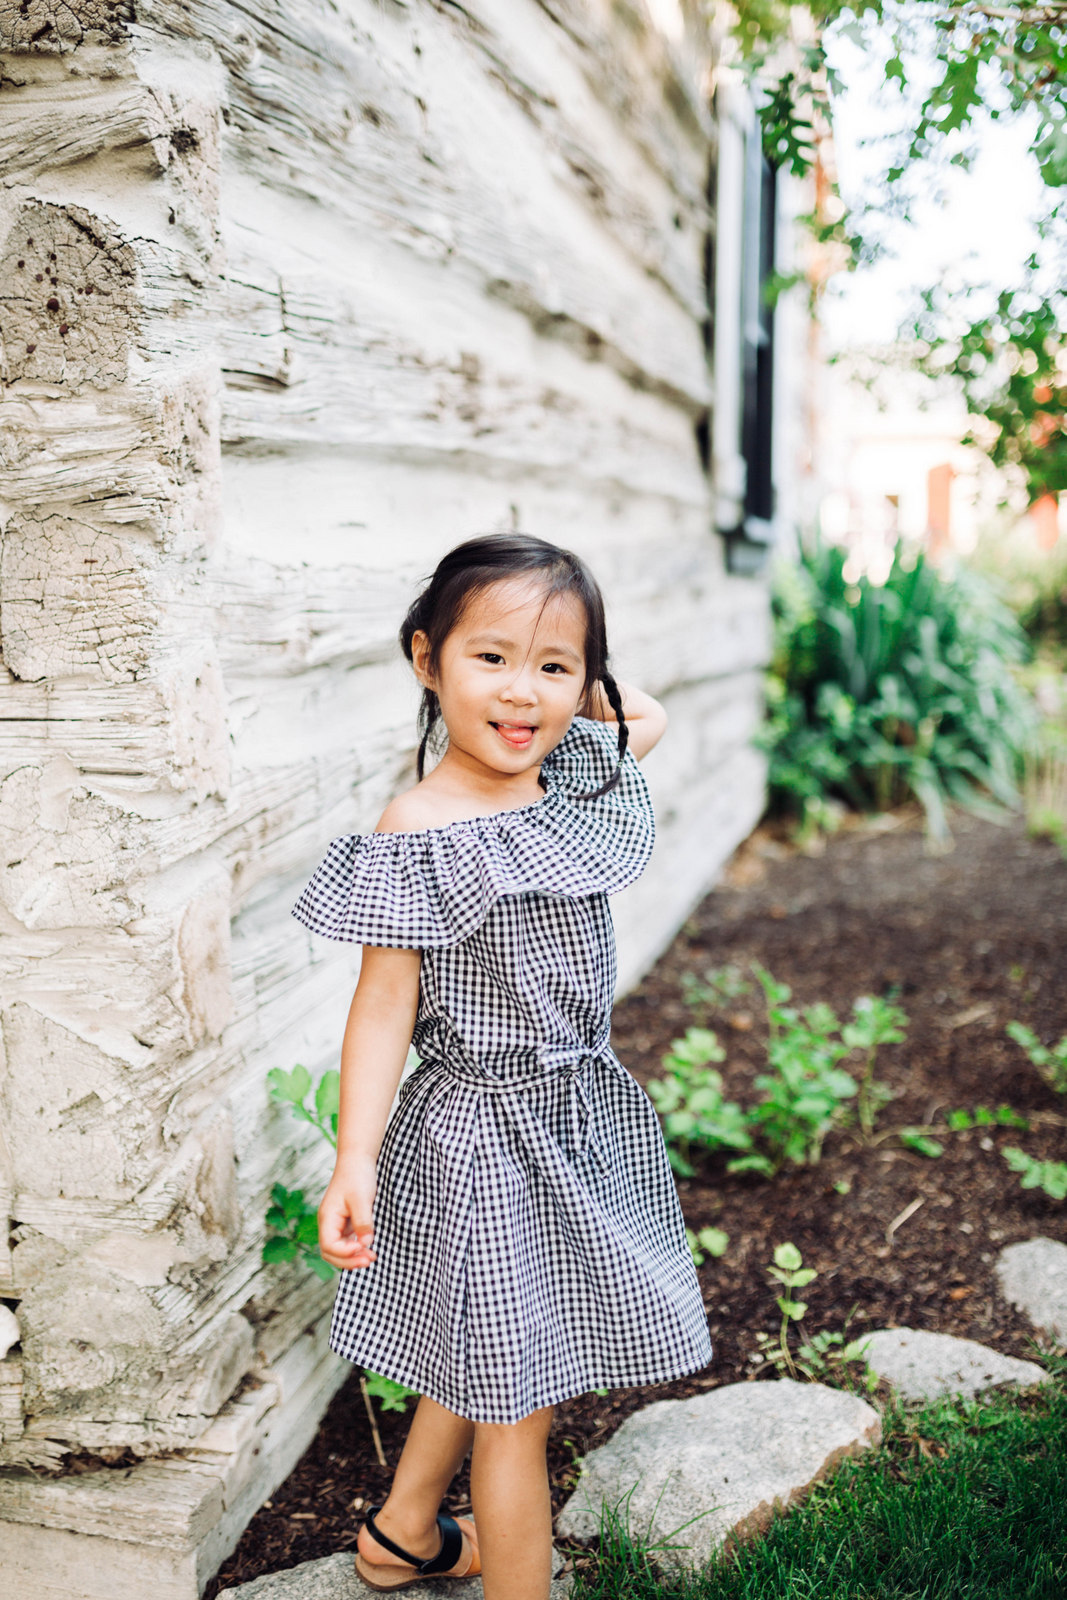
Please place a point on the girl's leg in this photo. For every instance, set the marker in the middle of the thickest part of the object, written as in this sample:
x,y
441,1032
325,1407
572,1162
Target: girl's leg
x,y
437,1444
512,1506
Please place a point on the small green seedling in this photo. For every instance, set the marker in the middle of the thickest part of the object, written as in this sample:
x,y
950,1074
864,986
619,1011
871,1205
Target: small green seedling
x,y
825,1353
714,988
1051,1063
874,1021
788,1268
295,1231
708,1242
914,1139
982,1117
1051,1176
293,1223
392,1395
691,1102
291,1089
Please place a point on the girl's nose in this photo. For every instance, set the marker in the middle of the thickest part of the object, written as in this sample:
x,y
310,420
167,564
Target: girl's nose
x,y
522,690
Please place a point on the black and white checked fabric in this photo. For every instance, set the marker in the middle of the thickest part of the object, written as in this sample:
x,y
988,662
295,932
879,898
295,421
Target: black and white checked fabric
x,y
530,1243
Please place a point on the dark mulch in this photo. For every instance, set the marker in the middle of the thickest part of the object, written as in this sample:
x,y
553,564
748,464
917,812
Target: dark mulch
x,y
965,942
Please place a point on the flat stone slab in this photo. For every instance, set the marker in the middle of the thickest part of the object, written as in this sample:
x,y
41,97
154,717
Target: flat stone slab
x,y
928,1366
1033,1278
727,1458
335,1578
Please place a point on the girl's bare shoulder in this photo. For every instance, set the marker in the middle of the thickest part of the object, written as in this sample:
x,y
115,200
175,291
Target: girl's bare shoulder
x,y
411,811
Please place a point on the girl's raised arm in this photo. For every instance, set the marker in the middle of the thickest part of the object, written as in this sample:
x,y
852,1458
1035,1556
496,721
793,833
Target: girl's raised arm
x,y
381,1020
645,717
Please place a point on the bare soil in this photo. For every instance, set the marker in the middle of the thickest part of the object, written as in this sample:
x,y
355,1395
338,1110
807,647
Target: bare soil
x,y
964,942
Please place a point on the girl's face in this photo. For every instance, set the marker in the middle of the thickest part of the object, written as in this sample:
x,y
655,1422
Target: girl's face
x,y
511,674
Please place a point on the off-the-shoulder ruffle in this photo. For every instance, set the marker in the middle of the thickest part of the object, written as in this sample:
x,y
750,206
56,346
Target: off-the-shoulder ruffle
x,y
434,887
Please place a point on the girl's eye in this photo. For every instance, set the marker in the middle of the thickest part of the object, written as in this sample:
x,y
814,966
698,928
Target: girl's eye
x,y
491,656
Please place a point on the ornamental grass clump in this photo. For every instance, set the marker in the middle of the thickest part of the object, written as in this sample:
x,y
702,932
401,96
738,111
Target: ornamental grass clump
x,y
905,690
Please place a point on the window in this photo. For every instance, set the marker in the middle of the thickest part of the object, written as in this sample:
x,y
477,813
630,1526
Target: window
x,y
740,261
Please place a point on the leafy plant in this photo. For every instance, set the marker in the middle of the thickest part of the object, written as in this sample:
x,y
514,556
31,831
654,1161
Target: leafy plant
x,y
294,1231
921,1143
824,1354
1052,1064
879,693
1051,1176
709,1241
714,988
691,1102
291,1089
393,1396
875,1021
294,1224
805,1093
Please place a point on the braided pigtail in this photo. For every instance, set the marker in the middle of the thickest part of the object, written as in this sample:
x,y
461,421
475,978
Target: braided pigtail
x,y
614,699
429,716
419,617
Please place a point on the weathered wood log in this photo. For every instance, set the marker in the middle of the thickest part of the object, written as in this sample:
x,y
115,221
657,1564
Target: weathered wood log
x,y
291,299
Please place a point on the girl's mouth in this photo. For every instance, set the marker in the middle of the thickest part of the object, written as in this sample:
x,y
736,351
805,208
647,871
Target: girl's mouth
x,y
516,734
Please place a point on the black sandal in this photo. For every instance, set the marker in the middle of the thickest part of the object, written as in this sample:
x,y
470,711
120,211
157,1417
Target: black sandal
x,y
439,1566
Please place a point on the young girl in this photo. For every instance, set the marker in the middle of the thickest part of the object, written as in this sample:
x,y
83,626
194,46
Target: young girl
x,y
512,1235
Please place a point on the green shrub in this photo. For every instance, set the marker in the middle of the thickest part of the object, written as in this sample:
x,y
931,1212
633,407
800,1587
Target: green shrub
x,y
690,1101
805,1093
880,693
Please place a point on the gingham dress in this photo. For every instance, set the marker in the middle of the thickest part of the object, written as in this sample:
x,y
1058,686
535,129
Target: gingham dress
x,y
530,1243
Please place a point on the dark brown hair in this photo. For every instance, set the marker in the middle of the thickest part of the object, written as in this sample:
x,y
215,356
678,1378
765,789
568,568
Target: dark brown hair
x,y
491,558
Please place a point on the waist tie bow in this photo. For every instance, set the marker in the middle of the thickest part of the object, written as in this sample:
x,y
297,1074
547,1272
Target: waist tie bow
x,y
565,1061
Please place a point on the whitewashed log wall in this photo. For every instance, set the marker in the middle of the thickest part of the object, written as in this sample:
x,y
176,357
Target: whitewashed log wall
x,y
292,297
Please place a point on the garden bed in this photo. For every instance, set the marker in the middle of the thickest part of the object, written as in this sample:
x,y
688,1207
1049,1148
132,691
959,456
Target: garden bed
x,y
964,942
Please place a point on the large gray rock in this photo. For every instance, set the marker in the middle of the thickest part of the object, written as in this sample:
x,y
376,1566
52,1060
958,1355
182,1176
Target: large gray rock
x,y
927,1366
335,1578
1033,1278
727,1458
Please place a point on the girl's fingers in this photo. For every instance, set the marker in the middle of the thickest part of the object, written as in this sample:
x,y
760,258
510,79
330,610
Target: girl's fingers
x,y
342,1241
349,1251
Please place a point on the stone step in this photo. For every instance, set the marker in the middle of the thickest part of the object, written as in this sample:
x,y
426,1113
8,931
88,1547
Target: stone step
x,y
1033,1278
335,1578
928,1366
704,1471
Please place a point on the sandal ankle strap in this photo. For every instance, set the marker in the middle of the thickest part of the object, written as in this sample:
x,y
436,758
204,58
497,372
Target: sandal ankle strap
x,y
446,1557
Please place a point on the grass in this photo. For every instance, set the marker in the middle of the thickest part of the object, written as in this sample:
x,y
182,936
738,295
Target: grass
x,y
966,1500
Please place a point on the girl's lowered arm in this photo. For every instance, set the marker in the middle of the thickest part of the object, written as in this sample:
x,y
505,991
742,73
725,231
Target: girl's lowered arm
x,y
377,1037
381,1020
645,717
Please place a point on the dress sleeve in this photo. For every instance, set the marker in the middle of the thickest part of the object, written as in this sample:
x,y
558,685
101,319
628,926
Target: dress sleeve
x,y
585,759
404,891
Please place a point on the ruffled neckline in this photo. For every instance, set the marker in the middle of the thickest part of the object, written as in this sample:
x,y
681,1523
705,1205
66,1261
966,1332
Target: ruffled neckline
x,y
426,887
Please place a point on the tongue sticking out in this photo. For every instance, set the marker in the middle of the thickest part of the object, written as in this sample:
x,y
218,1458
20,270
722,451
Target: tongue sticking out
x,y
515,733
